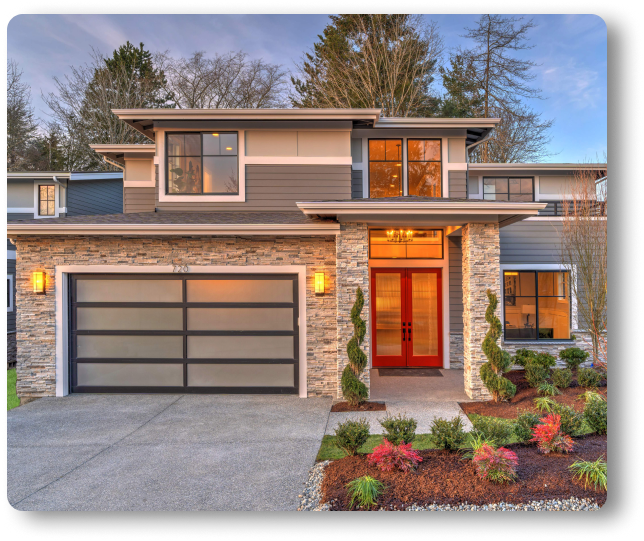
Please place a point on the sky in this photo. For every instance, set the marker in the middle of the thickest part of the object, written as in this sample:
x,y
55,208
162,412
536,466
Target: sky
x,y
570,51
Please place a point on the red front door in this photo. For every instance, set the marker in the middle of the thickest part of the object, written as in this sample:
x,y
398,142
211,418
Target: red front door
x,y
406,317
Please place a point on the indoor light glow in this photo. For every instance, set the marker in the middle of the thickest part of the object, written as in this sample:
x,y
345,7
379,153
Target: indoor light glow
x,y
39,282
215,135
319,283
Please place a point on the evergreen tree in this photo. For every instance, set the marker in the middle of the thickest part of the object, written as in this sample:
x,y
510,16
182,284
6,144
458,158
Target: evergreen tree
x,y
21,124
353,390
464,98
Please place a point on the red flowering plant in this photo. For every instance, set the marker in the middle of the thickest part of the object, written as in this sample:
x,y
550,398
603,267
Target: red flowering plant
x,y
549,437
496,465
388,456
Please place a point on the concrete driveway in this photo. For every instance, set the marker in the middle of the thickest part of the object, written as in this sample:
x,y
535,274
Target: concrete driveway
x,y
162,452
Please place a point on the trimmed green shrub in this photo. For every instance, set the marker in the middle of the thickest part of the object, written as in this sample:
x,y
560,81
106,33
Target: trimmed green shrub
x,y
589,378
571,421
498,361
562,377
399,429
524,424
447,434
545,359
573,357
494,430
523,356
548,389
351,435
596,414
365,490
535,374
355,391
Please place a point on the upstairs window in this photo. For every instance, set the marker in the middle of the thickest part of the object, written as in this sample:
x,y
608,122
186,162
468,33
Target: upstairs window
x,y
202,163
424,167
46,200
508,189
385,168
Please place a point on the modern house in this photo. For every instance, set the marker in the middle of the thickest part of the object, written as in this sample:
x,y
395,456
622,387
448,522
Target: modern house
x,y
245,234
40,195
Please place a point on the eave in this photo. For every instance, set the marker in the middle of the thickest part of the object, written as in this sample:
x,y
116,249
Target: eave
x,y
118,153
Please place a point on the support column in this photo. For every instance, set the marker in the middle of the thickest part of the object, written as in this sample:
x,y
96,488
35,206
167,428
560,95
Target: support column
x,y
481,267
352,270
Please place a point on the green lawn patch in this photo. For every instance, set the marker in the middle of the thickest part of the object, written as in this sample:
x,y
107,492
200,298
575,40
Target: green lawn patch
x,y
329,451
12,399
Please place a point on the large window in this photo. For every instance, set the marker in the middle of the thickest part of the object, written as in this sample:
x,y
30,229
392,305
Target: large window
x,y
385,168
508,189
536,305
202,163
424,167
405,243
46,200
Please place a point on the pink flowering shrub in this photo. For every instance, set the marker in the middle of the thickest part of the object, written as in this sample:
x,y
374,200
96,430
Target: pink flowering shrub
x,y
496,465
549,436
388,456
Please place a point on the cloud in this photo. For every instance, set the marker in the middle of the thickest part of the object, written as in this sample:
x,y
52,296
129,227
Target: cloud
x,y
570,84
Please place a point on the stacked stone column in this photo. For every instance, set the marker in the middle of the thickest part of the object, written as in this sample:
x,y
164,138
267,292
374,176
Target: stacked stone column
x,y
352,270
481,268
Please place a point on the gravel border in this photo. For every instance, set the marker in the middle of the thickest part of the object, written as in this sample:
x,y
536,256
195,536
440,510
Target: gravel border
x,y
311,495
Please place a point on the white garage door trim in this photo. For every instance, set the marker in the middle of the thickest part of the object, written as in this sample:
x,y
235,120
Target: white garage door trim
x,y
62,305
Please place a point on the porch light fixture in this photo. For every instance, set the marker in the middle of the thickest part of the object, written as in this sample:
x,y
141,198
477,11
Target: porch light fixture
x,y
400,235
39,282
319,283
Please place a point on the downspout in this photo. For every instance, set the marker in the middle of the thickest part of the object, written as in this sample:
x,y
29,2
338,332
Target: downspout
x,y
114,163
467,161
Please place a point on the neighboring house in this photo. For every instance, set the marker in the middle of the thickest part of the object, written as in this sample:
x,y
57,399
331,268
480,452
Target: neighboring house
x,y
246,233
37,195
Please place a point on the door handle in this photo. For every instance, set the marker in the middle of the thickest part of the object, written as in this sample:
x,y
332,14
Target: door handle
x,y
409,332
403,334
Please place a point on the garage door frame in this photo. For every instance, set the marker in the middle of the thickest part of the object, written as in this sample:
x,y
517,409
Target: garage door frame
x,y
61,291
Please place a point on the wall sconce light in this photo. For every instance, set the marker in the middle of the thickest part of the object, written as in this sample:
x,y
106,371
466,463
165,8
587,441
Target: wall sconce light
x,y
319,283
39,282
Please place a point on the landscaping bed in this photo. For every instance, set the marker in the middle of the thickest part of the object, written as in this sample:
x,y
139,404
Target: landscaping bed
x,y
365,406
523,400
444,477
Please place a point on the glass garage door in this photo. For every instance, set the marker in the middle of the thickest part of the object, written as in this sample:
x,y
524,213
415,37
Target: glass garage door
x,y
184,333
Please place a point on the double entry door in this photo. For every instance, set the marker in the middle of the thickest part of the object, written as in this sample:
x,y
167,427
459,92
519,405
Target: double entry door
x,y
407,317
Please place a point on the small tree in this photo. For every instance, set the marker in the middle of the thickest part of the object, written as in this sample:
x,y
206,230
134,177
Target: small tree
x,y
353,390
499,361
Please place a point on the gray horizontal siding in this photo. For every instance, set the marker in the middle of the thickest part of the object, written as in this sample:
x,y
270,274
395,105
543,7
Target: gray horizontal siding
x,y
531,242
277,188
455,284
356,183
457,183
11,316
138,199
10,245
23,216
95,197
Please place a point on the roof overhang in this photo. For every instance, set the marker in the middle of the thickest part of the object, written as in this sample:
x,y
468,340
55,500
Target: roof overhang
x,y
38,175
529,167
118,153
476,128
447,213
16,228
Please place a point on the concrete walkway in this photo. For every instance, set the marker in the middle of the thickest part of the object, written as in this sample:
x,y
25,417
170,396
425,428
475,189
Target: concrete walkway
x,y
423,398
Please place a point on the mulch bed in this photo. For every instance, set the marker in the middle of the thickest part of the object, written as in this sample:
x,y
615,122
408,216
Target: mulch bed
x,y
365,406
444,477
523,400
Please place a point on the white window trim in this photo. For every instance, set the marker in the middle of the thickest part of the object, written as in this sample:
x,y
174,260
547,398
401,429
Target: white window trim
x,y
540,267
10,278
57,209
61,300
167,198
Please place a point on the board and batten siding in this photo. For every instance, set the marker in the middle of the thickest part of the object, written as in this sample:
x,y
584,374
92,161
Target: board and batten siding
x,y
457,184
531,242
95,197
273,188
454,247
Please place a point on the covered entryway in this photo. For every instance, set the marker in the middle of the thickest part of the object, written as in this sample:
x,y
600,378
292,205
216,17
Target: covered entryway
x,y
184,333
407,317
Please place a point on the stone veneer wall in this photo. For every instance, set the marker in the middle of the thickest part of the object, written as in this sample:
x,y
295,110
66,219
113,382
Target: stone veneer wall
x,y
352,253
36,313
456,350
481,254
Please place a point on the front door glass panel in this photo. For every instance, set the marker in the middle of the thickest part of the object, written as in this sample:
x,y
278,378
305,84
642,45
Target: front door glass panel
x,y
388,314
424,305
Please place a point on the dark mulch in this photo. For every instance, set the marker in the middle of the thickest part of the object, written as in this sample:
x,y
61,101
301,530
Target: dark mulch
x,y
365,406
445,477
523,400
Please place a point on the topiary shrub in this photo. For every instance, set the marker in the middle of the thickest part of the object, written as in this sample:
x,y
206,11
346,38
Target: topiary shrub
x,y
498,361
562,377
493,430
447,434
588,378
525,423
536,374
573,357
351,435
388,456
399,429
354,391
571,420
596,414
496,465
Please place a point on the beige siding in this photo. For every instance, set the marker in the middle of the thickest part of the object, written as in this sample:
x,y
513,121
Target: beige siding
x,y
20,194
138,200
271,143
456,150
140,170
455,284
556,186
298,143
278,188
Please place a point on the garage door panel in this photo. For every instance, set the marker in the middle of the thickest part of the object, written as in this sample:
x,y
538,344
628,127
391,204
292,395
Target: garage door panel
x,y
240,347
110,290
238,291
129,347
240,375
129,375
129,319
240,319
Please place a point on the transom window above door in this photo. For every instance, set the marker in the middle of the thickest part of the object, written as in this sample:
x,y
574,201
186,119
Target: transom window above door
x,y
508,189
202,163
385,168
